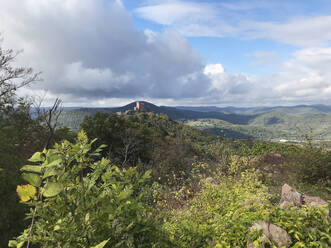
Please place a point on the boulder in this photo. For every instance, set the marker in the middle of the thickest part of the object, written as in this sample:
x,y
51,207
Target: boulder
x,y
290,197
269,233
316,202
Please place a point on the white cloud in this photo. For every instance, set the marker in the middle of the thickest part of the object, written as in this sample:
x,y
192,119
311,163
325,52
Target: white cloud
x,y
90,52
171,12
304,32
306,76
228,86
239,19
91,49
188,18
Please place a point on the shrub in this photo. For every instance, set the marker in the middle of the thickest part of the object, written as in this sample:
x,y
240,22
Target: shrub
x,y
313,164
221,215
78,201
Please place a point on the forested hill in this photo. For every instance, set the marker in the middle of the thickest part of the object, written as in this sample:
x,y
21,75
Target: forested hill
x,y
265,123
297,109
73,117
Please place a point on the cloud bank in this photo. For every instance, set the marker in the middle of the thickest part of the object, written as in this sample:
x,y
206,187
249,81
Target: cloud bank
x,y
91,54
91,49
241,19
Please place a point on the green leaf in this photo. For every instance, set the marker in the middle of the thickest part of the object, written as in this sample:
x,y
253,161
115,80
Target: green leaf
x,y
31,168
32,178
37,157
51,189
147,175
125,194
53,163
50,172
101,245
12,243
102,146
56,228
20,244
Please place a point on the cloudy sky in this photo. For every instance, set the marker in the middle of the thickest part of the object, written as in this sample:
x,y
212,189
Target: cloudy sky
x,y
174,52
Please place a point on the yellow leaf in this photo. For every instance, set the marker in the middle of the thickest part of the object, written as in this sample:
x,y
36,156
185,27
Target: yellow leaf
x,y
26,192
101,245
56,228
297,236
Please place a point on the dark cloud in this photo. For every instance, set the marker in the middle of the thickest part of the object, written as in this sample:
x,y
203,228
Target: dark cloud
x,y
91,48
90,53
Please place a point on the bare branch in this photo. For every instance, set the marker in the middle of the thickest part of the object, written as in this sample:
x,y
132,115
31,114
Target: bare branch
x,y
13,78
51,119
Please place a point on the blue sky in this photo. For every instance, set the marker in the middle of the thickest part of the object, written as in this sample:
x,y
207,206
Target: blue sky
x,y
234,52
174,52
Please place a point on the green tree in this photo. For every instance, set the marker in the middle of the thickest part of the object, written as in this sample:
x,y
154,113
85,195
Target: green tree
x,y
20,135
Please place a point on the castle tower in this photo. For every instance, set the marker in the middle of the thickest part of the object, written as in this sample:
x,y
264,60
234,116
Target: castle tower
x,y
139,107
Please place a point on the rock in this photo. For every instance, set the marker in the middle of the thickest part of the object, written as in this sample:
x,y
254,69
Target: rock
x,y
270,232
290,197
285,205
316,202
279,236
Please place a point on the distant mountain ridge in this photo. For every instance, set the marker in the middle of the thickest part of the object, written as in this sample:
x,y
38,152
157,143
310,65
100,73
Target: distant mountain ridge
x,y
318,108
267,123
173,112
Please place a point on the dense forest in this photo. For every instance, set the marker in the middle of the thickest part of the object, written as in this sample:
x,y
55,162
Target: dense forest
x,y
143,180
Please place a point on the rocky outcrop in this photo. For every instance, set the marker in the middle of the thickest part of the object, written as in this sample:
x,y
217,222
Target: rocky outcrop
x,y
316,202
269,233
290,197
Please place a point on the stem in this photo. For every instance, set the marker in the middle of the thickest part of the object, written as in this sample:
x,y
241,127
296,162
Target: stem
x,y
32,222
33,217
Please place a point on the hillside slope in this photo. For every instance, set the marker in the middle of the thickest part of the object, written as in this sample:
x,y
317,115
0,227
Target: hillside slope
x,y
73,117
265,123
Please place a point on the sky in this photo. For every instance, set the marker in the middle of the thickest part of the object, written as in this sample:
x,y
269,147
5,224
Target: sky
x,y
102,53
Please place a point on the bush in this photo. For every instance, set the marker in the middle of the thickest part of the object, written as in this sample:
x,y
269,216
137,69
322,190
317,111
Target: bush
x,y
313,164
78,201
221,215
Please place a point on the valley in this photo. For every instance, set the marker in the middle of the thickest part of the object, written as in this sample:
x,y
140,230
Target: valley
x,y
285,124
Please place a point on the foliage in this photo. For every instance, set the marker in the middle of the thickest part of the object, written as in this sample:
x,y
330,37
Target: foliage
x,y
82,201
313,164
148,141
20,136
221,215
256,147
273,125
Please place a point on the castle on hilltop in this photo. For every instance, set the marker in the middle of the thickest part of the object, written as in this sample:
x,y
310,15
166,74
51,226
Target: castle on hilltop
x,y
139,107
